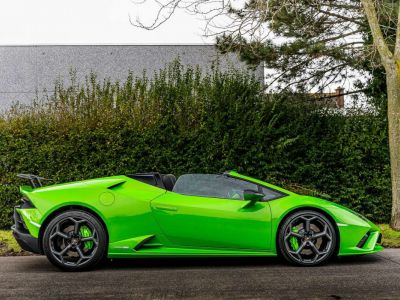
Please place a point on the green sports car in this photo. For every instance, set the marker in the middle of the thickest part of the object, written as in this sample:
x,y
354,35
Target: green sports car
x,y
76,225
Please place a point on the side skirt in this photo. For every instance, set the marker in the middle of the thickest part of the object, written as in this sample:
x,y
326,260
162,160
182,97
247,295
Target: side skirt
x,y
186,252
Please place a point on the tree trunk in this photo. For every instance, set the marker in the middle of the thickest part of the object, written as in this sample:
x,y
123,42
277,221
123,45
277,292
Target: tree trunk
x,y
391,62
393,90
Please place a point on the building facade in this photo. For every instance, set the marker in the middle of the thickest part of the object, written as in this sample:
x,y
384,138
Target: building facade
x,y
28,70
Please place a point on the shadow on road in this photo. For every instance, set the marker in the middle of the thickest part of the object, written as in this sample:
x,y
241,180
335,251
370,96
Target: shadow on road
x,y
223,262
40,263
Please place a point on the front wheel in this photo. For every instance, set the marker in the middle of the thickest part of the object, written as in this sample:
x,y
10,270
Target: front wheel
x,y
307,238
75,240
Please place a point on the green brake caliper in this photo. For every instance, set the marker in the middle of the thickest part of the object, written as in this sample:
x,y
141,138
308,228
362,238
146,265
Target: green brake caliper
x,y
86,232
293,240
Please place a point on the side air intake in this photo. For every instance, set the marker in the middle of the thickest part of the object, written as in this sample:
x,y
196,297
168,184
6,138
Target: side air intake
x,y
364,239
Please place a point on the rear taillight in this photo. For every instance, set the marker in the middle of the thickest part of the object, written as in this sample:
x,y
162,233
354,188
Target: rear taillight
x,y
19,222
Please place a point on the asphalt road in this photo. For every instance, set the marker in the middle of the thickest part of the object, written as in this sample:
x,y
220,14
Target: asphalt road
x,y
366,277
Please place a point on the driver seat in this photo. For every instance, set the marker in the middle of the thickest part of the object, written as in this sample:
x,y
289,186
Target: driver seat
x,y
169,181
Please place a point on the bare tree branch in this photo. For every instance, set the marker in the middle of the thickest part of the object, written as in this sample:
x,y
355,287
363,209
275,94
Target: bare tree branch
x,y
397,43
379,40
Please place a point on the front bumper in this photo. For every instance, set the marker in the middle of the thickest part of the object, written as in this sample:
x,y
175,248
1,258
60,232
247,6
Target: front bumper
x,y
369,245
359,236
22,235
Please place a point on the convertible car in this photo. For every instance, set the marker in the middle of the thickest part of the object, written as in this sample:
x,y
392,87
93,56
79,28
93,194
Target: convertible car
x,y
77,225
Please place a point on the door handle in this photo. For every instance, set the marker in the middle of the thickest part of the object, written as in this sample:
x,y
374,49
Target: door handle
x,y
166,208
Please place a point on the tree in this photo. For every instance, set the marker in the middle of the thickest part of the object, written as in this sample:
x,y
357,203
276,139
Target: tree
x,y
310,44
390,59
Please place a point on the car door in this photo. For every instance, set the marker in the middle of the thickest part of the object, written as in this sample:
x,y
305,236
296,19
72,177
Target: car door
x,y
208,211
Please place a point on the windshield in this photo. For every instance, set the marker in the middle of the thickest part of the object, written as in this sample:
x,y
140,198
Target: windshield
x,y
213,185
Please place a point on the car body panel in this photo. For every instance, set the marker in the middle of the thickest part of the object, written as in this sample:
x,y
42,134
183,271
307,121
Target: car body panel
x,y
121,220
145,220
213,222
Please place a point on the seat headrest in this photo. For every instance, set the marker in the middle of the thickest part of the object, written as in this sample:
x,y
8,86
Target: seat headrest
x,y
169,181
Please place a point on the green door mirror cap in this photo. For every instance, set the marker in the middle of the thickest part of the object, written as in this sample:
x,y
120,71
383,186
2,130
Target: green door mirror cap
x,y
252,195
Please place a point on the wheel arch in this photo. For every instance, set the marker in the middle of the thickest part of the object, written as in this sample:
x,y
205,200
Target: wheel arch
x,y
65,208
312,208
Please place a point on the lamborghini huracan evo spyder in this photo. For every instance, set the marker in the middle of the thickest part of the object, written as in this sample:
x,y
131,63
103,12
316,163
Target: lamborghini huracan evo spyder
x,y
78,224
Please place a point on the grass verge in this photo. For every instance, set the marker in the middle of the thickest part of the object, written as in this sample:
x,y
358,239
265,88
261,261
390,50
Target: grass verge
x,y
390,238
9,246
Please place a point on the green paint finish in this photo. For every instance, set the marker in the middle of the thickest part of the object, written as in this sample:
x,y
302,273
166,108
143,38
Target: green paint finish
x,y
86,232
182,225
32,220
294,243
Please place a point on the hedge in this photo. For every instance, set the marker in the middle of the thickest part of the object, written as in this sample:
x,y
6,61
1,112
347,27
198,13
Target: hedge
x,y
180,121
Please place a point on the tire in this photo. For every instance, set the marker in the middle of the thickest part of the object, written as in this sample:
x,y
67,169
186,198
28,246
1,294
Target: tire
x,y
307,238
75,240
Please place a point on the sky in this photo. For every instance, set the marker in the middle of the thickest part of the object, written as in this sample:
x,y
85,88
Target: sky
x,y
74,22
91,22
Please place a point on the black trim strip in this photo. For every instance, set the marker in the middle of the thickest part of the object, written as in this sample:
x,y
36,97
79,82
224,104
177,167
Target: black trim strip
x,y
364,239
34,180
140,245
152,178
26,241
26,203
379,239
116,185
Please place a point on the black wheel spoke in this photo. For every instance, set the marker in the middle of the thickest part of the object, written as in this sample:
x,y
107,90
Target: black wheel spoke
x,y
66,241
77,224
318,235
59,233
308,238
295,234
324,233
301,248
76,228
315,249
78,249
88,239
62,252
307,225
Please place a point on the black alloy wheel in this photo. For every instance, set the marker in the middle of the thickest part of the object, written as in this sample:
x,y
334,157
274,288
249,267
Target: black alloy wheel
x,y
307,238
75,240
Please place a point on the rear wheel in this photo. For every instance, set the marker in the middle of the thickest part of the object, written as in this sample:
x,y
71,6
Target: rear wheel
x,y
75,240
307,238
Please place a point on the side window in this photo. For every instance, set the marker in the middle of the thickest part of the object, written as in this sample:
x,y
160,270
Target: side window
x,y
212,185
270,194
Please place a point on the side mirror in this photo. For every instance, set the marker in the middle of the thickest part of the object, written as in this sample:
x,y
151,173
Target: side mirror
x,y
253,196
